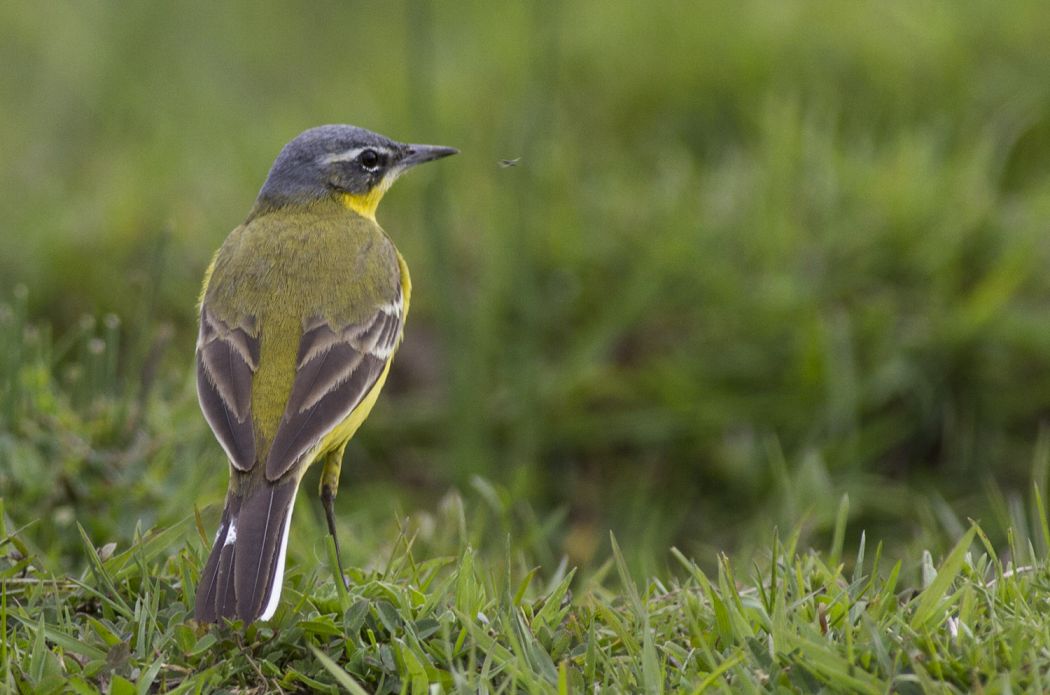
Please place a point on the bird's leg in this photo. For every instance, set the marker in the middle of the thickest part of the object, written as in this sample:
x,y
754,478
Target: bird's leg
x,y
333,462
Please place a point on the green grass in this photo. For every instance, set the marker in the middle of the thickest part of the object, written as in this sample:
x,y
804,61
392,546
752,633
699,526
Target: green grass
x,y
451,617
475,593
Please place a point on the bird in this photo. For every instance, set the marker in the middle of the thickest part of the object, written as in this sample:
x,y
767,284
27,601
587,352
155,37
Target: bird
x,y
302,309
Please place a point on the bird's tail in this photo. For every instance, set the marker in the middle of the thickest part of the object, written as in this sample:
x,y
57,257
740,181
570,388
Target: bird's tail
x,y
243,576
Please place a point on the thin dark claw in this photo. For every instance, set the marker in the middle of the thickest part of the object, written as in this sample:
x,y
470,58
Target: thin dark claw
x,y
329,512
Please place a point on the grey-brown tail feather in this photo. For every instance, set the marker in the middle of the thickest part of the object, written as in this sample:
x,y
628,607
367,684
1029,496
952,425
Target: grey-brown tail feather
x,y
240,575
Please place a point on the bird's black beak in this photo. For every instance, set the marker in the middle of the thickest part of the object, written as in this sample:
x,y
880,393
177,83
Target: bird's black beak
x,y
417,154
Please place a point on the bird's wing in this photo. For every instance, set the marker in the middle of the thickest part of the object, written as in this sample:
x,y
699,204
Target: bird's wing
x,y
227,357
336,368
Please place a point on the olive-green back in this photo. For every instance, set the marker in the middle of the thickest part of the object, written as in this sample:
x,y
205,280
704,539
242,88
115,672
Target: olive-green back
x,y
282,269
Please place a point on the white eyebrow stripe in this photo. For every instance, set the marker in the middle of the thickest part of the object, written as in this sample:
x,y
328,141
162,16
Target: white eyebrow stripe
x,y
350,154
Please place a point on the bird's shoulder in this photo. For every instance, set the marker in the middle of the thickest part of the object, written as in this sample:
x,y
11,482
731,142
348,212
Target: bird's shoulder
x,y
313,262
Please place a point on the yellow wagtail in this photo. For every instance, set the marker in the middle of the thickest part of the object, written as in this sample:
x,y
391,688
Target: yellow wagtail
x,y
302,309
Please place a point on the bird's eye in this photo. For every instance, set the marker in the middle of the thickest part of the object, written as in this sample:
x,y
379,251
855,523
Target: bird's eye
x,y
369,159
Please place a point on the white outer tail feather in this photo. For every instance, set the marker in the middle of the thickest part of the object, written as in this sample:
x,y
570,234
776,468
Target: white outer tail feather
x,y
278,578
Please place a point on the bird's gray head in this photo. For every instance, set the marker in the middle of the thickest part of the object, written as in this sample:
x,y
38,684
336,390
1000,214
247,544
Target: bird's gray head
x,y
343,162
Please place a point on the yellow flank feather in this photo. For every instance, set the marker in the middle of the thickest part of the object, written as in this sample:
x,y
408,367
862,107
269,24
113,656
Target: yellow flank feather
x,y
406,284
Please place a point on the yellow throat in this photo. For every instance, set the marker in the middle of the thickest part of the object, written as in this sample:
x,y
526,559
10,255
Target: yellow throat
x,y
365,204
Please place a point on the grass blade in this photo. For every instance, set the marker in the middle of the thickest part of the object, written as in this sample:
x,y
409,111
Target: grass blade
x,y
342,677
932,595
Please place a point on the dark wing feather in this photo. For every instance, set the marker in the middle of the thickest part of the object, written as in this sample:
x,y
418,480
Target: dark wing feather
x,y
227,357
337,367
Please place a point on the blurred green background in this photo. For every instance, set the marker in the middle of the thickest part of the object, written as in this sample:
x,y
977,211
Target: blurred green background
x,y
754,256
